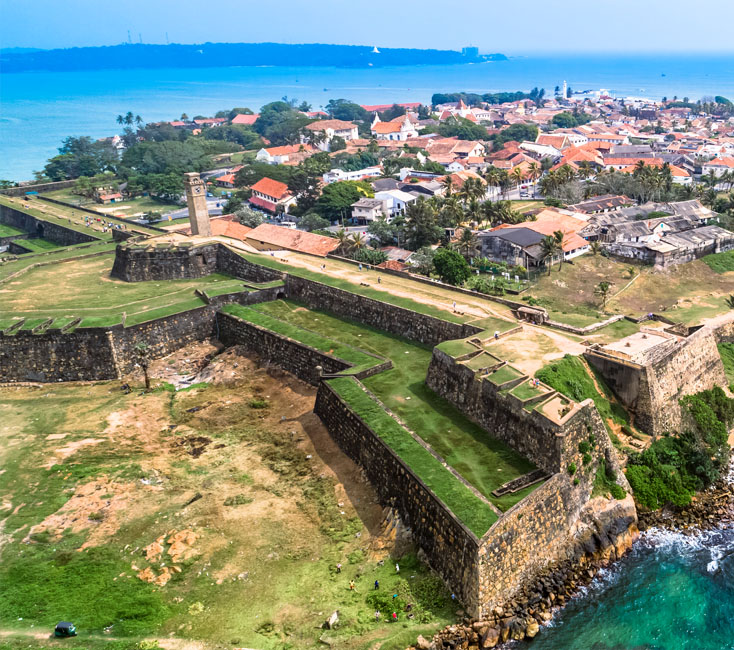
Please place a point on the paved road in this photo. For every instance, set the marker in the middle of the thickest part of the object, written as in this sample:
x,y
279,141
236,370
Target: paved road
x,y
213,203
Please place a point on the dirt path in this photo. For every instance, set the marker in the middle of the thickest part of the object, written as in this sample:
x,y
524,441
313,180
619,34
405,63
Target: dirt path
x,y
166,643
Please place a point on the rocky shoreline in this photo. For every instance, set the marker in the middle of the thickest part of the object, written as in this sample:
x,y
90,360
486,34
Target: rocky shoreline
x,y
710,509
604,538
535,606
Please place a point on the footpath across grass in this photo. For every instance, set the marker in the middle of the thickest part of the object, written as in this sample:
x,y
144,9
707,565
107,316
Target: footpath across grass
x,y
485,462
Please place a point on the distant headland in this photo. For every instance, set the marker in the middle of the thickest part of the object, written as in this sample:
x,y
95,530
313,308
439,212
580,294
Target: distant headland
x,y
213,55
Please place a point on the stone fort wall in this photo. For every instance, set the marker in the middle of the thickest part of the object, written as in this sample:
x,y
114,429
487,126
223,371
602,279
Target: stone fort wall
x,y
48,230
652,390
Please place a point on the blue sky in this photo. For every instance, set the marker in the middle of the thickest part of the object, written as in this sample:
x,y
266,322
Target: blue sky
x,y
522,26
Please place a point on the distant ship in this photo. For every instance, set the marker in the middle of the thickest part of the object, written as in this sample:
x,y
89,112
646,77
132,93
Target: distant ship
x,y
375,50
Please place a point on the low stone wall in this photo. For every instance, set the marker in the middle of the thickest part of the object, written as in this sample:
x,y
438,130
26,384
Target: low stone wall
x,y
450,548
651,390
52,231
375,313
38,187
233,264
83,355
290,355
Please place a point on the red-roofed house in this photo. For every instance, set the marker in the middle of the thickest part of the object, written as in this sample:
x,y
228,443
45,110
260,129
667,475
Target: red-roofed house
x,y
401,128
267,237
272,196
332,129
226,180
245,120
210,121
287,154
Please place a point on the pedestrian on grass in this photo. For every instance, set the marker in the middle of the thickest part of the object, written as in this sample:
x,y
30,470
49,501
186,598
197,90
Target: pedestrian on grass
x,y
360,266
394,617
377,615
377,585
339,567
351,585
397,568
379,280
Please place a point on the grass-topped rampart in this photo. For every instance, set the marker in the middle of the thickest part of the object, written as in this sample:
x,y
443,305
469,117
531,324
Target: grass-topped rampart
x,y
477,515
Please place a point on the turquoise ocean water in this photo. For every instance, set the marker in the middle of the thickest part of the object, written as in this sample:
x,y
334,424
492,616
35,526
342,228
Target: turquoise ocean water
x,y
671,592
38,109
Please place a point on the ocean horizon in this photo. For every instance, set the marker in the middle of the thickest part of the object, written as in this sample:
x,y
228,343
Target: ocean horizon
x,y
39,109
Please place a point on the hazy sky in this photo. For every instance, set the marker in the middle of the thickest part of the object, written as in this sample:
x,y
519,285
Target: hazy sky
x,y
518,27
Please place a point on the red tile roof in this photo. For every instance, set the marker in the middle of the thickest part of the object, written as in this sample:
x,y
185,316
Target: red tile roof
x,y
245,119
270,187
292,239
336,125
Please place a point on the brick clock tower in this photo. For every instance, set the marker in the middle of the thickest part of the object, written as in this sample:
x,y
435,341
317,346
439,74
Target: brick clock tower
x,y
196,200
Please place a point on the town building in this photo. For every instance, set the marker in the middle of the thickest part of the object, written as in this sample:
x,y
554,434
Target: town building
x,y
272,196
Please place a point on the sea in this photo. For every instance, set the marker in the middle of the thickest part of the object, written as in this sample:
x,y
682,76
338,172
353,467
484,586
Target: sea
x,y
39,109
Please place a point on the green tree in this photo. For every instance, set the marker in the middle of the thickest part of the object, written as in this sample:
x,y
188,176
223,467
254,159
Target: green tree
x,y
337,198
281,123
249,217
451,266
422,261
383,231
603,289
313,221
343,109
421,228
549,248
467,243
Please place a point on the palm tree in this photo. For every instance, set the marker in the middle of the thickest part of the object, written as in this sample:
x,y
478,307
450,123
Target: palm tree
x,y
448,184
602,290
493,177
121,119
129,118
559,236
467,243
451,213
342,237
138,120
534,173
142,356
549,247
518,175
357,241
585,169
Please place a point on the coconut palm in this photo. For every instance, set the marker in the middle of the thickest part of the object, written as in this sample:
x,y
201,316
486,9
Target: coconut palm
x,y
342,237
602,290
467,243
448,185
518,175
549,248
357,241
492,177
559,236
534,173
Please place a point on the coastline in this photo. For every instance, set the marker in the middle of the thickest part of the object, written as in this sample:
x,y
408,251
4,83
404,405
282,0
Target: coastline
x,y
544,601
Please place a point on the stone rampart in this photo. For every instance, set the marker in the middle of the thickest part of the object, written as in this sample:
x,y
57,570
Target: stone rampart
x,y
82,355
375,313
548,443
450,548
651,389
163,261
50,230
38,187
286,353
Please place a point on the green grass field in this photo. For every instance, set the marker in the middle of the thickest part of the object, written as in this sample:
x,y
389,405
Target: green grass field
x,y
483,461
38,245
83,288
720,262
262,574
10,231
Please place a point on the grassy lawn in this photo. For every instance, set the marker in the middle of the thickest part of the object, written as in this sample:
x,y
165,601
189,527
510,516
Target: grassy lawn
x,y
503,374
126,208
476,514
38,245
720,262
726,351
259,572
84,288
483,461
570,377
70,252
10,231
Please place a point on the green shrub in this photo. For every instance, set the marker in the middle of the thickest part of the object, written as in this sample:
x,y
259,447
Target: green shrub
x,y
587,459
258,403
571,469
605,482
583,447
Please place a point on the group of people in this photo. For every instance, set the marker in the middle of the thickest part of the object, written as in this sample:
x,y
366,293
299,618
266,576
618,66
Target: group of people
x,y
106,225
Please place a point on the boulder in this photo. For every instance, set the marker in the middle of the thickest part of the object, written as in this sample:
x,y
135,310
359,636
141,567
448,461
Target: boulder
x,y
490,638
422,643
532,629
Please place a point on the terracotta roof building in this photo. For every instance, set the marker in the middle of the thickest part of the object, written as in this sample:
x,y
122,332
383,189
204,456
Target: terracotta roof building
x,y
267,237
271,195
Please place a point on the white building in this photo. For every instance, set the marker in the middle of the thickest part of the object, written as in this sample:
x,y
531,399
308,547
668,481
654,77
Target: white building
x,y
332,129
367,210
401,128
340,175
396,201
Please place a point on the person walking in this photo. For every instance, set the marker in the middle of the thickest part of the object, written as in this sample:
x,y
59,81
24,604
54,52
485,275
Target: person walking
x,y
339,567
351,585
379,280
394,617
397,568
377,615
377,585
